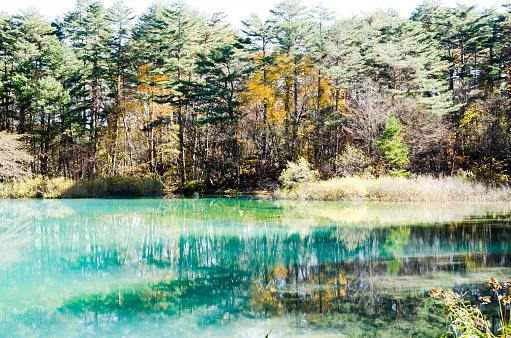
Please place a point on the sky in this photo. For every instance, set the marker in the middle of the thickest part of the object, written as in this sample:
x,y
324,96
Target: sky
x,y
238,10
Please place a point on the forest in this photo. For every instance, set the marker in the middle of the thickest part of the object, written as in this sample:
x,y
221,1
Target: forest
x,y
180,95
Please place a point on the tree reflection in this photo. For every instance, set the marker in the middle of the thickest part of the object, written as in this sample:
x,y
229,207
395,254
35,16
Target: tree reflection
x,y
95,267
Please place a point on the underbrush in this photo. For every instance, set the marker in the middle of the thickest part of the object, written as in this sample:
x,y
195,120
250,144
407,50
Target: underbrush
x,y
116,186
394,189
39,187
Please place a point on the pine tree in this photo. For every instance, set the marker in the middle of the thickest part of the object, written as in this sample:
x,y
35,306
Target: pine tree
x,y
176,34
456,31
293,30
8,36
344,64
42,64
118,60
489,42
261,35
319,52
395,154
86,27
217,95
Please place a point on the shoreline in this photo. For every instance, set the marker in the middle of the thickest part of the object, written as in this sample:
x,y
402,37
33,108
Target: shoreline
x,y
347,189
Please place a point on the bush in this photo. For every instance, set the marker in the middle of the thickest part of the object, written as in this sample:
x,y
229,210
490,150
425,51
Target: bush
x,y
296,173
55,187
351,162
191,188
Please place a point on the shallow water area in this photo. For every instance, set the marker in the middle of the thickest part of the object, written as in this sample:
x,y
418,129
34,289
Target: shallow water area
x,y
241,267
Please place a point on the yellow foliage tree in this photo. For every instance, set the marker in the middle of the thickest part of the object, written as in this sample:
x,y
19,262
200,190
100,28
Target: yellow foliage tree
x,y
283,98
143,124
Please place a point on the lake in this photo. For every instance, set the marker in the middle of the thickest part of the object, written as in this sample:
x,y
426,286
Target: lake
x,y
241,267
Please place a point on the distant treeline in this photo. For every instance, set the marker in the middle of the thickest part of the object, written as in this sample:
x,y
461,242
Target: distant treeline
x,y
181,94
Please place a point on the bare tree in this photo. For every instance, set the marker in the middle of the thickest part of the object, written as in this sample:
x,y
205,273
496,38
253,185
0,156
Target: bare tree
x,y
367,123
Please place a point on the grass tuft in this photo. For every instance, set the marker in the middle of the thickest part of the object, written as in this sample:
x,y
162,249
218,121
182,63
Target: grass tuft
x,y
466,320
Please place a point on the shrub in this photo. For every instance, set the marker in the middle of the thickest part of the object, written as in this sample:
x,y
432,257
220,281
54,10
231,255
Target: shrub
x,y
351,162
116,186
55,187
193,187
36,186
296,173
346,188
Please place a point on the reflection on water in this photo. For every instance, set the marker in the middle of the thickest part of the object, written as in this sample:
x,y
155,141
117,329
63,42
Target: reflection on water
x,y
230,267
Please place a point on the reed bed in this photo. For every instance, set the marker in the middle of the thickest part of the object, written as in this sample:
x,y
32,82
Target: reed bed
x,y
397,189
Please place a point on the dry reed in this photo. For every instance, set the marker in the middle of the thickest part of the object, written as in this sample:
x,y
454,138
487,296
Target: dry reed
x,y
39,187
397,189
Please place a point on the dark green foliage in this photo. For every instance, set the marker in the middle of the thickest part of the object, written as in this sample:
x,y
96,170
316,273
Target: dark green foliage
x,y
223,71
395,154
192,188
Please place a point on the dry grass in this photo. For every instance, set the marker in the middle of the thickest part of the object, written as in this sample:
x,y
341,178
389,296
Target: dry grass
x,y
394,189
36,187
39,187
466,320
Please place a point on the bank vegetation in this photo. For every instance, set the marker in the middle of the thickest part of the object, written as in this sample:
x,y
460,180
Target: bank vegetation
x,y
179,96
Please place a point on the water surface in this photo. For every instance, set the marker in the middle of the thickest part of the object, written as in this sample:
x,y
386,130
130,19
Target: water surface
x,y
240,267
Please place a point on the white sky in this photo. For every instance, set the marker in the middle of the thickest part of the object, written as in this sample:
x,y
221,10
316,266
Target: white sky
x,y
240,9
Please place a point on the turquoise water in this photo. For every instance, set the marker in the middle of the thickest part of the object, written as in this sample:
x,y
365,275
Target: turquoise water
x,y
240,267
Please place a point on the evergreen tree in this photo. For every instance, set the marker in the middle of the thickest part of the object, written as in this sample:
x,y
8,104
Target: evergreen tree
x,y
395,154
176,34
409,59
8,36
319,52
262,36
344,64
86,27
293,29
490,56
41,65
217,95
118,60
